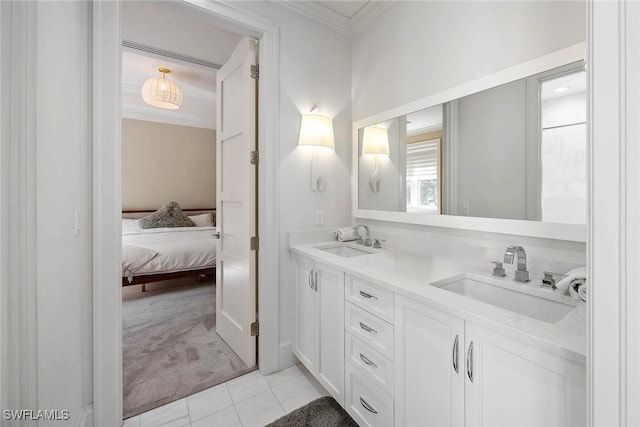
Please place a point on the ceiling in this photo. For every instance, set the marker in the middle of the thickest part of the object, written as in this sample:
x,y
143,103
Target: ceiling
x,y
198,83
574,83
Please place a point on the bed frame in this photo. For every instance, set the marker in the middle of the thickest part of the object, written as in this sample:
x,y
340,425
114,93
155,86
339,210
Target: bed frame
x,y
199,274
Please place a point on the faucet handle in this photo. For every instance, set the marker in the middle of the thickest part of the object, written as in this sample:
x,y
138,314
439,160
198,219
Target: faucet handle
x,y
376,243
549,280
498,270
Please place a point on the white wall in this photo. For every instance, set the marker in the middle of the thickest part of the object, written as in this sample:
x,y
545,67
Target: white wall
x,y
63,185
315,70
415,49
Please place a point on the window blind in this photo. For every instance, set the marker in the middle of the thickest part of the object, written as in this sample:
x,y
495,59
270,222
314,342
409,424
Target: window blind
x,y
422,159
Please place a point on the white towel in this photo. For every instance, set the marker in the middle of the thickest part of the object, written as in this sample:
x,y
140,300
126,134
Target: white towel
x,y
579,273
578,290
345,234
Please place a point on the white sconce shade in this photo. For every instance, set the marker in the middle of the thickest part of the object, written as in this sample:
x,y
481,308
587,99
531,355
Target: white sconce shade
x,y
162,92
375,140
316,130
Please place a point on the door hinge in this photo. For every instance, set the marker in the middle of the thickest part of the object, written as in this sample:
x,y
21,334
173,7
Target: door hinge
x,y
255,243
255,72
255,329
255,157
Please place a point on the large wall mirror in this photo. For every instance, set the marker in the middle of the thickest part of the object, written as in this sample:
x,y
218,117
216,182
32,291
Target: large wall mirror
x,y
515,151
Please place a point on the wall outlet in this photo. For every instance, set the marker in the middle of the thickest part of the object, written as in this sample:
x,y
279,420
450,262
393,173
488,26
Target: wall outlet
x,y
319,217
465,208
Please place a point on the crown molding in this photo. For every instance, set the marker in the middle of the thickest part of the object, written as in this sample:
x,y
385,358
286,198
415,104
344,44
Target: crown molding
x,y
368,13
334,20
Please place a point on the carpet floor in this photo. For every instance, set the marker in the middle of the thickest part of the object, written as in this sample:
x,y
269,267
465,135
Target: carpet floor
x,y
170,345
322,412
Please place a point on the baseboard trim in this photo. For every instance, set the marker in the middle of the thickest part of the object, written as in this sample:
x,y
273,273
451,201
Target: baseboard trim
x,y
86,417
286,359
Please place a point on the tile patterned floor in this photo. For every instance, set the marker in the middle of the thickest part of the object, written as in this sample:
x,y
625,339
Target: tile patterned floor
x,y
251,400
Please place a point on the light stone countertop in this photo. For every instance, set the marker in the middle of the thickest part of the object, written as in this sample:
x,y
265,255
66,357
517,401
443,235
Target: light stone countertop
x,y
411,276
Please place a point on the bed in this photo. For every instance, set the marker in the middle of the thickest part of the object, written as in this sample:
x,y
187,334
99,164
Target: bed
x,y
157,254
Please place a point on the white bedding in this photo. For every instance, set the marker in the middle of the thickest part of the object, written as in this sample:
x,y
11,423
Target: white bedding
x,y
178,249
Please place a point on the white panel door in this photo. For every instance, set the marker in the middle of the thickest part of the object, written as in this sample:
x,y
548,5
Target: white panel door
x,y
236,273
305,342
330,329
429,366
515,384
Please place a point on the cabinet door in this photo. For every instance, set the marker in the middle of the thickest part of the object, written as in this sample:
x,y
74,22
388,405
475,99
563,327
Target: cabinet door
x,y
429,366
330,321
515,384
305,342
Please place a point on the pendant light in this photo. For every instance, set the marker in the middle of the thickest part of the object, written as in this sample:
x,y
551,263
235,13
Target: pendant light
x,y
162,92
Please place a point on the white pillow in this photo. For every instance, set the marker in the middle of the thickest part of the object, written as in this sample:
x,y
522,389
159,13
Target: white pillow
x,y
130,225
202,220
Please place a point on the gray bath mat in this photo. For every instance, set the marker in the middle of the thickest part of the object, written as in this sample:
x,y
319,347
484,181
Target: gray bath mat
x,y
322,412
170,345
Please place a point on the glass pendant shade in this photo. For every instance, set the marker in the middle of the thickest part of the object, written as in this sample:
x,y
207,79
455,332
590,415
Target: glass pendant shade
x,y
162,92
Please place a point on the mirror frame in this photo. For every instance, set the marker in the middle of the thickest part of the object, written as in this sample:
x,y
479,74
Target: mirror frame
x,y
547,230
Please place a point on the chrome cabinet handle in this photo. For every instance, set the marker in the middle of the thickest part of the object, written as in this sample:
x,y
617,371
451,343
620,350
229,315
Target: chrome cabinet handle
x,y
366,406
367,328
315,281
311,278
368,361
454,354
368,296
470,362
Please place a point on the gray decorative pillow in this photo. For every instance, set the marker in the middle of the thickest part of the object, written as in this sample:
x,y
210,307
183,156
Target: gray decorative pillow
x,y
169,215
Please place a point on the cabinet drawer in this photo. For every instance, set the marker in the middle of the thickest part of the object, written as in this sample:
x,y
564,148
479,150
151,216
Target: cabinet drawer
x,y
378,368
371,329
365,401
370,297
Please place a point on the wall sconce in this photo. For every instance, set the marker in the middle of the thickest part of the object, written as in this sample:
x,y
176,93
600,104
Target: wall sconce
x,y
375,142
316,131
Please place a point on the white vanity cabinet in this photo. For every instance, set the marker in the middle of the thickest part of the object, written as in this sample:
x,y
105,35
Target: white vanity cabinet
x,y
486,379
319,342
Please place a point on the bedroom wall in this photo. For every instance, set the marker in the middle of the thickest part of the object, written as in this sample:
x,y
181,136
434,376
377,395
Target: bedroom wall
x,y
163,162
417,49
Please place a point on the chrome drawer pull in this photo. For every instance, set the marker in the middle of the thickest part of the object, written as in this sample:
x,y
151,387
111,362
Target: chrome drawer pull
x,y
367,328
368,296
470,362
366,406
455,354
368,361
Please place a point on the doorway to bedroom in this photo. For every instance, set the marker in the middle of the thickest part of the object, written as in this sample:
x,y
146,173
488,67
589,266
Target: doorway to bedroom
x,y
189,211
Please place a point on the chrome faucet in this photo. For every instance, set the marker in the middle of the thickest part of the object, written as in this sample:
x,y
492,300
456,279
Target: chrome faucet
x,y
367,239
522,275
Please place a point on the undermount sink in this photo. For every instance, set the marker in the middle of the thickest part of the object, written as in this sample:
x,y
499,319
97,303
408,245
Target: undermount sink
x,y
343,251
499,295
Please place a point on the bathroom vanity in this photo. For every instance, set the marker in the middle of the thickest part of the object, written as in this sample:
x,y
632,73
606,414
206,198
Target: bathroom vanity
x,y
397,339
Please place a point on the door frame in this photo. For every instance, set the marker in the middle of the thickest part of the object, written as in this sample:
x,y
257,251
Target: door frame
x,y
107,298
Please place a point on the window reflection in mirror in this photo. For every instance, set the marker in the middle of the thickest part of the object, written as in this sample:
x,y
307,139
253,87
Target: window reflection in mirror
x,y
423,160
